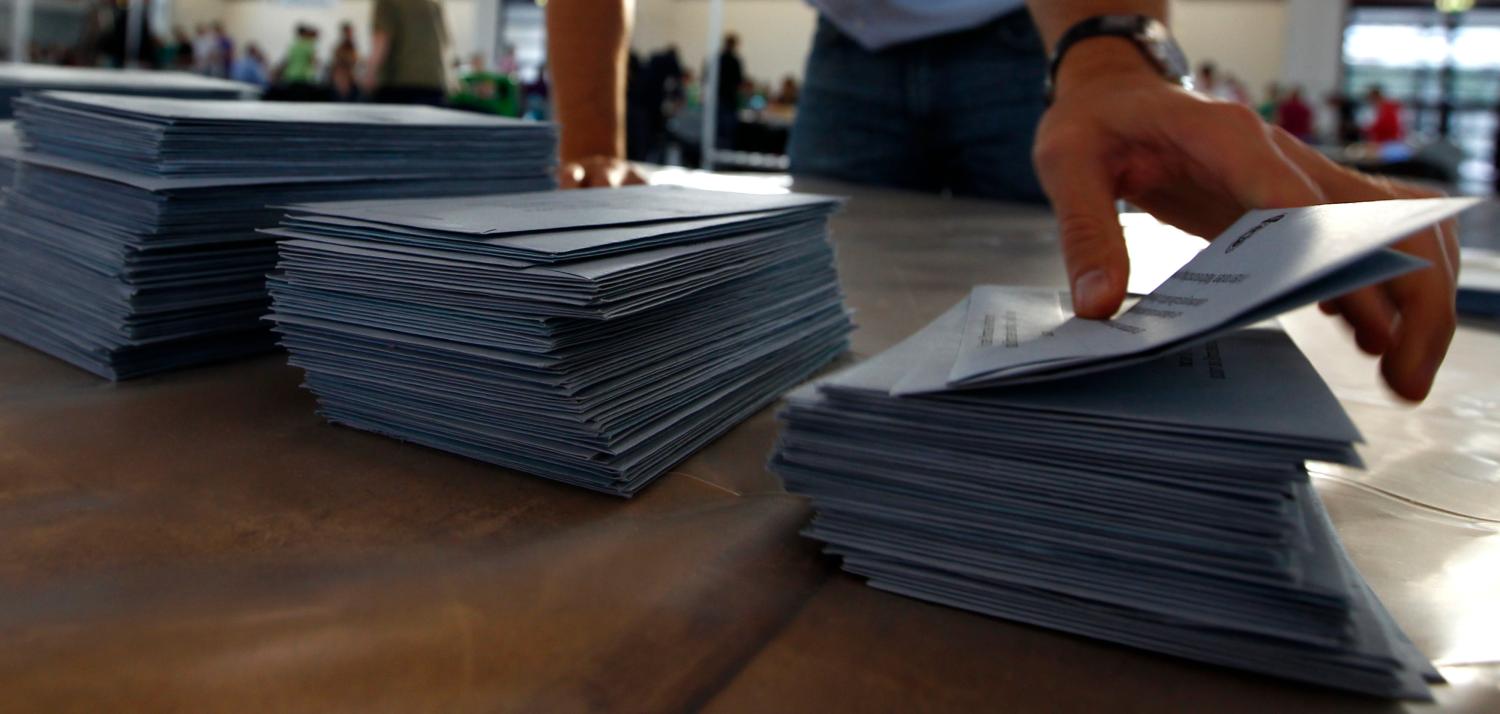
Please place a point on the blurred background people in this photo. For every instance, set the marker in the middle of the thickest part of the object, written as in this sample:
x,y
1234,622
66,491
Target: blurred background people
x,y
860,49
1210,81
407,48
1387,124
536,97
789,92
223,51
731,76
103,40
1207,81
250,67
205,50
1346,113
508,65
1295,115
296,76
343,77
178,53
1270,102
653,95
489,92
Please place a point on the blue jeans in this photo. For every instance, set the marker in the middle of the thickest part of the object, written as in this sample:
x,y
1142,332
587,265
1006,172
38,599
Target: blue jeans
x,y
954,113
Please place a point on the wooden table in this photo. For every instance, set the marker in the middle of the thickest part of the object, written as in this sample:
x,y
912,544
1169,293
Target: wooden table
x,y
202,542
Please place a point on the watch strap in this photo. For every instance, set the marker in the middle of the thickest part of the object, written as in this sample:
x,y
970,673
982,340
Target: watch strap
x,y
1148,35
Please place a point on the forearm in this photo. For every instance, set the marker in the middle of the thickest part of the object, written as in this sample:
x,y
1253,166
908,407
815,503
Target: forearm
x,y
588,42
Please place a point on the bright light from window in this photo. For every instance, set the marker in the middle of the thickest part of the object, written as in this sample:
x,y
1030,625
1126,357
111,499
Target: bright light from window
x,y
1395,45
1475,47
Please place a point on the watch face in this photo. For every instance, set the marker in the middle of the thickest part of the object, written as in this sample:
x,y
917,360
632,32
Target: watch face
x,y
1163,49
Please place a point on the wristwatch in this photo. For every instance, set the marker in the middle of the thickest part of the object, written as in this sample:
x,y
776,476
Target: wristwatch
x,y
1150,36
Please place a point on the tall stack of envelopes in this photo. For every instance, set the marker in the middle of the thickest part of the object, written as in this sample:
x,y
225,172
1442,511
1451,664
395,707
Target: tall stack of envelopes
x,y
17,79
10,153
130,237
1479,283
1155,494
593,337
1106,509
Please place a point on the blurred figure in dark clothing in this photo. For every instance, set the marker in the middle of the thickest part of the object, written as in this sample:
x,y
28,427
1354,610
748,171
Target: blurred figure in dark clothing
x,y
182,50
731,76
789,92
666,71
103,41
1348,119
652,86
663,89
342,71
224,51
637,109
535,97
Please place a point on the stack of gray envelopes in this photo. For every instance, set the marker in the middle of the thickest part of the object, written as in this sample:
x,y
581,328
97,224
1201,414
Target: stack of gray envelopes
x,y
592,337
17,79
1163,505
10,153
1479,283
130,231
1139,480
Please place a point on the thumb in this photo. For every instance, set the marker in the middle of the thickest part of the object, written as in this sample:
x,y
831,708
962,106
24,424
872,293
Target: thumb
x,y
1081,190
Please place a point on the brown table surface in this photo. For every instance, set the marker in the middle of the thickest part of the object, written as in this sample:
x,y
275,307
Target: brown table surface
x,y
201,541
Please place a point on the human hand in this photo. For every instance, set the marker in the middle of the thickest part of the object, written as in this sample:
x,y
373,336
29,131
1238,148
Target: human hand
x,y
1408,321
1116,130
598,172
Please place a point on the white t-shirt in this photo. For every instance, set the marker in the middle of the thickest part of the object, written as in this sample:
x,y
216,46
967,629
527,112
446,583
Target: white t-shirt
x,y
206,54
877,24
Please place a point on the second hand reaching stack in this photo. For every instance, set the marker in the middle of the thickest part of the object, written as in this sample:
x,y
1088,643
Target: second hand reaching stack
x,y
1162,505
594,337
1140,479
129,233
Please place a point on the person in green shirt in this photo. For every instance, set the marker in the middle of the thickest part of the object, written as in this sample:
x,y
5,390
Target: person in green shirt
x,y
1267,108
484,91
300,66
406,53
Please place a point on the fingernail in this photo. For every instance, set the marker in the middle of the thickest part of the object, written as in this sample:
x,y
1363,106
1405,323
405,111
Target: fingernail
x,y
1090,290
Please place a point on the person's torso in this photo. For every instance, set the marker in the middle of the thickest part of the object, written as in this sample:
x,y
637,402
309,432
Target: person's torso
x,y
249,71
300,62
877,24
415,57
1389,112
1387,125
731,74
345,57
1296,118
